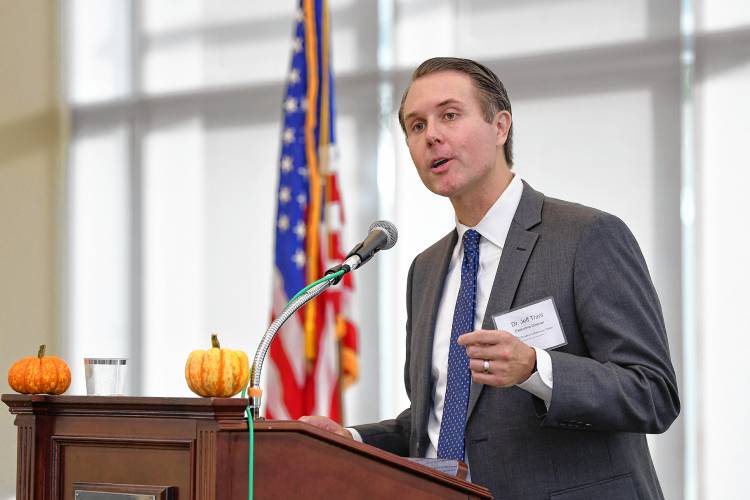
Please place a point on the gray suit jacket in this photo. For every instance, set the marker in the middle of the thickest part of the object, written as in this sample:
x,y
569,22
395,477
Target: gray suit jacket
x,y
613,381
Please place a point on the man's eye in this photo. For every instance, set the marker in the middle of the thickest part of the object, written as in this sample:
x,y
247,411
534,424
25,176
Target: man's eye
x,y
417,127
450,115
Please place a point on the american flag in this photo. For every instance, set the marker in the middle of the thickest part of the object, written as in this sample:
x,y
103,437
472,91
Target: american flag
x,y
314,354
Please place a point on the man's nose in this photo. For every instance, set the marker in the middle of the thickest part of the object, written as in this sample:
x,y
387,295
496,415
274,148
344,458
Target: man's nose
x,y
433,134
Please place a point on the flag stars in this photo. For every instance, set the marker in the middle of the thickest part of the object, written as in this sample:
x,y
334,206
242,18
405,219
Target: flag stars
x,y
290,105
299,258
285,194
301,199
288,135
299,15
294,76
286,164
283,223
297,45
303,172
303,104
299,230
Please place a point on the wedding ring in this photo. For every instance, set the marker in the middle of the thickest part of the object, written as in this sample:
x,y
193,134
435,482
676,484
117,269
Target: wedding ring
x,y
486,366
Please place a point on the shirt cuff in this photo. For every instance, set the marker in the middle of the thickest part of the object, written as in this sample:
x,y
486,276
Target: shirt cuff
x,y
540,382
355,434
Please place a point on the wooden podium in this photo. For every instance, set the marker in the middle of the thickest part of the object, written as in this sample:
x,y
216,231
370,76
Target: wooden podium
x,y
196,448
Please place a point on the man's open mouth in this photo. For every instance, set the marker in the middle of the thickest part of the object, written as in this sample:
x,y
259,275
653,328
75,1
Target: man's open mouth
x,y
439,162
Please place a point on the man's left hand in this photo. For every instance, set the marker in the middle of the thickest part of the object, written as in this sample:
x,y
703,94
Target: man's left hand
x,y
510,361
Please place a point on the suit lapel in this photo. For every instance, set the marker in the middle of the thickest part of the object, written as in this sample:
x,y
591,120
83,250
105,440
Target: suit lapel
x,y
433,269
518,246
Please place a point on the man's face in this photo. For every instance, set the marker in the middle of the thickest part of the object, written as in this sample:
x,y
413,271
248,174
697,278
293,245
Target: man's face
x,y
454,149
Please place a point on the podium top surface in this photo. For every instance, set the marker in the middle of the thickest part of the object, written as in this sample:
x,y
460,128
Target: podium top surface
x,y
228,412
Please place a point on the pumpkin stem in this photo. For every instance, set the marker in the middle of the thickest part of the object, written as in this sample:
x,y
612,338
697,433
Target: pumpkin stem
x,y
42,349
215,341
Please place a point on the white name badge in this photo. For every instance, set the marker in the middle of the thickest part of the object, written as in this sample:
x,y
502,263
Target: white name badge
x,y
537,324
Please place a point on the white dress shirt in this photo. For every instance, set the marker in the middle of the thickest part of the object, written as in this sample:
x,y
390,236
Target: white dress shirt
x,y
493,229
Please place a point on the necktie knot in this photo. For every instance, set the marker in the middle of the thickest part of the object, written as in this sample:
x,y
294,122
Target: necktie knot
x,y
471,242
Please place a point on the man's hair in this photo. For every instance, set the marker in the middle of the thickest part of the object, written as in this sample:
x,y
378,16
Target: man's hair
x,y
490,91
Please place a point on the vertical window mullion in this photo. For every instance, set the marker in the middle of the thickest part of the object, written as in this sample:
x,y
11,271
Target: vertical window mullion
x,y
135,140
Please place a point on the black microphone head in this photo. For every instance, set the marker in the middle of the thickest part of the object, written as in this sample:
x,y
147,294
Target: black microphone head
x,y
390,231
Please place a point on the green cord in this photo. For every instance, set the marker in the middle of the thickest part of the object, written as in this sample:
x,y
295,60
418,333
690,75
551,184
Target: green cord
x,y
324,278
250,430
250,445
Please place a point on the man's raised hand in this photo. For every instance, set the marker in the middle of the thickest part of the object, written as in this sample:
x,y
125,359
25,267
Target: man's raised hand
x,y
497,357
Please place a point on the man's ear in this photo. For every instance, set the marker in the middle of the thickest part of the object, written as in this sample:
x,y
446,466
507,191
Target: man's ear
x,y
503,121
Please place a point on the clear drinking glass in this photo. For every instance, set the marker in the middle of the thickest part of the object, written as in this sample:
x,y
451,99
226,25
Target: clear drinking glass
x,y
105,376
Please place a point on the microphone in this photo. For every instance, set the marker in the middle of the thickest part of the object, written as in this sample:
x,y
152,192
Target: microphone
x,y
382,235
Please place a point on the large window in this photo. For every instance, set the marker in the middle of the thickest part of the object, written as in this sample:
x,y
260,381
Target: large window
x,y
171,176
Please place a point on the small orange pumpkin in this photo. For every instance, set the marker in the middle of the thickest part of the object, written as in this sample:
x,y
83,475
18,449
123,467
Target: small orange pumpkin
x,y
217,372
40,374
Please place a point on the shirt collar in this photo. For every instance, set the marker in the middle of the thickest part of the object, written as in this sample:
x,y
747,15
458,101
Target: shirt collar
x,y
495,224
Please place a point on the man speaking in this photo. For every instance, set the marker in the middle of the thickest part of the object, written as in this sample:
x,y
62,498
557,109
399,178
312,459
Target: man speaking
x,y
535,344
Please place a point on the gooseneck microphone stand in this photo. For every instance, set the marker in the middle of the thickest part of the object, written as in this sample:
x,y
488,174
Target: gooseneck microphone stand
x,y
255,393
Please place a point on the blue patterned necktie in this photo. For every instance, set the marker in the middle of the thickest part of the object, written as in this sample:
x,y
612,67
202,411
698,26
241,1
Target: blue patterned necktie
x,y
451,440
